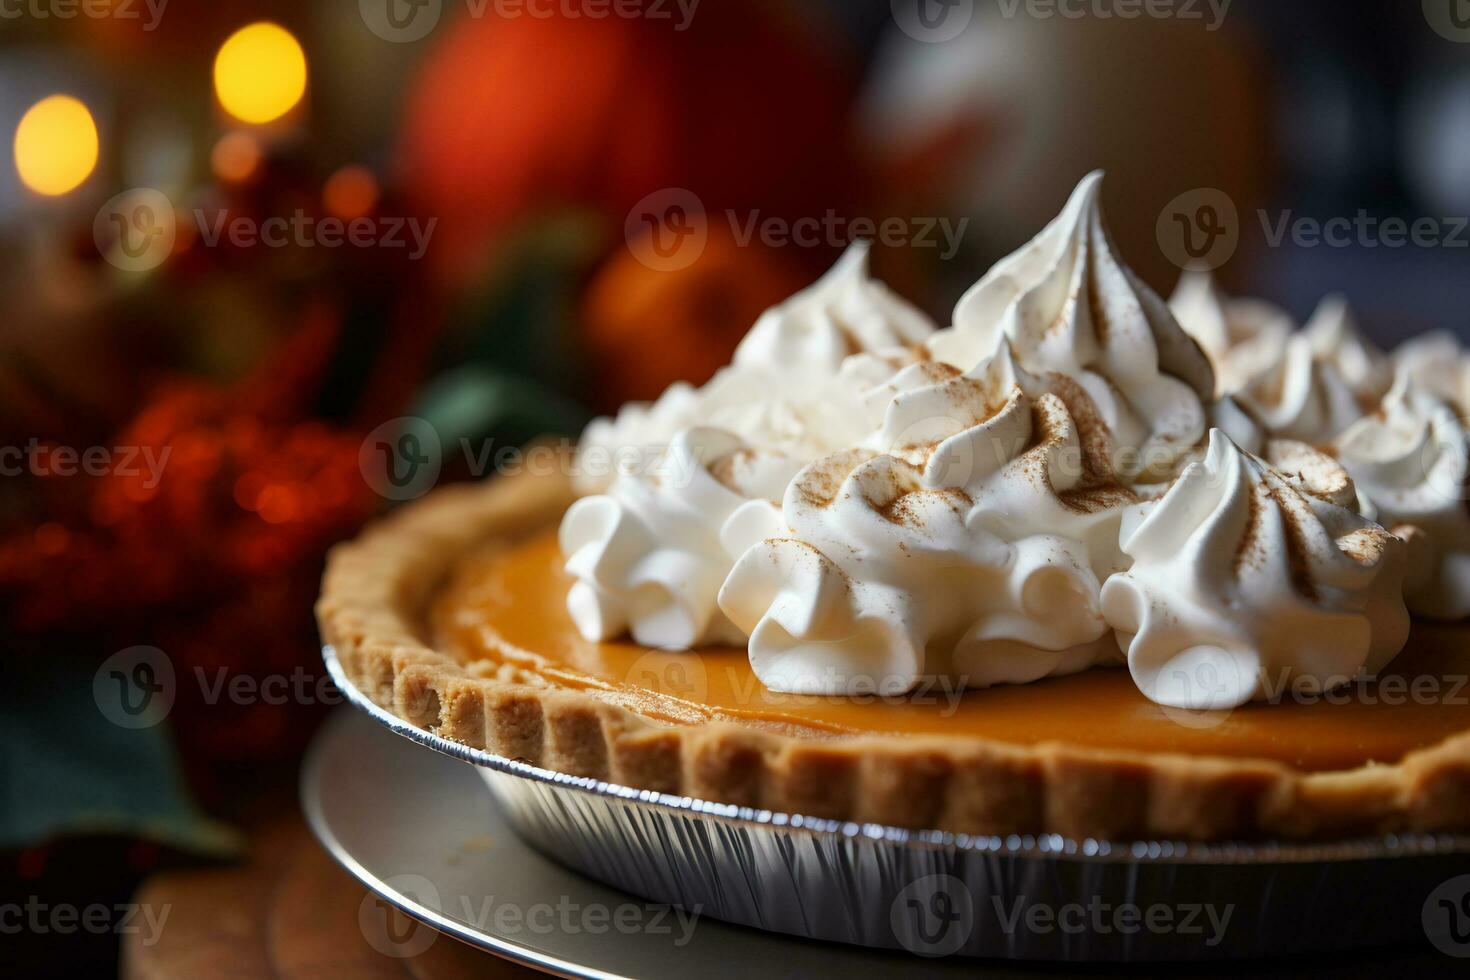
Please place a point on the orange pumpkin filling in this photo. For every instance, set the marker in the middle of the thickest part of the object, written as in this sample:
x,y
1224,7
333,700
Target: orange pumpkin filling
x,y
504,612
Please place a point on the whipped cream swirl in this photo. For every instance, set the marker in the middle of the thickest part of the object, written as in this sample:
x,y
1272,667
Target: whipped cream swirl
x,y
611,445
1248,582
1242,337
1322,379
698,468
1055,481
783,392
1300,396
1336,340
650,554
1066,304
845,312
1437,363
966,540
1409,459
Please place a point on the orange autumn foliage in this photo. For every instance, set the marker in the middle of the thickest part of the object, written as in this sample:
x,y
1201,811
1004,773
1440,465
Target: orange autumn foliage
x,y
747,106
643,329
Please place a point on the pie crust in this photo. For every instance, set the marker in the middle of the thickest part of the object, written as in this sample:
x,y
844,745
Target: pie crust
x,y
373,611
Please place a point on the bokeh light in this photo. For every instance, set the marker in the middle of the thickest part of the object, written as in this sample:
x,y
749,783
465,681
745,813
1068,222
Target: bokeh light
x,y
260,73
55,145
235,157
350,192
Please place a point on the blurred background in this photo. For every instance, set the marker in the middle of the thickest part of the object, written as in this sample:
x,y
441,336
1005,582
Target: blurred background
x,y
237,239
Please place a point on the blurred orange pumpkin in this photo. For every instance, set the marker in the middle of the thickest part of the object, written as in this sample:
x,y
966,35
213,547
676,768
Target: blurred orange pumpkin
x,y
643,329
746,105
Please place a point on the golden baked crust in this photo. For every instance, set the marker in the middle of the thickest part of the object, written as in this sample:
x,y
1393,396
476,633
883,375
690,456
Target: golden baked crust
x,y
372,609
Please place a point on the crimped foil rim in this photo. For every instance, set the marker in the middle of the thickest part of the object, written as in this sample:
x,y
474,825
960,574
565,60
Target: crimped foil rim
x,y
1053,846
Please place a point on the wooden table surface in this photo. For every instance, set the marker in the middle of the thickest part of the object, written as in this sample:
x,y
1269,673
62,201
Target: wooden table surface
x,y
291,912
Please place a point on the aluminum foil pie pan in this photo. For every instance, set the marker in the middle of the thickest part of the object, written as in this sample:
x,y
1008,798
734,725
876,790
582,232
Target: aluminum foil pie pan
x,y
939,894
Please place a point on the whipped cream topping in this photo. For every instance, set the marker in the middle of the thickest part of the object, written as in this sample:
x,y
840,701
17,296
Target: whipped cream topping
x,y
1437,363
1410,460
783,392
698,468
1248,582
1056,481
610,445
1245,430
1335,339
650,554
1300,396
845,312
1242,337
966,540
1066,304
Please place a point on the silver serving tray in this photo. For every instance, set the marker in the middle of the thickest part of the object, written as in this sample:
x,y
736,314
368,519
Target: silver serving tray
x,y
937,894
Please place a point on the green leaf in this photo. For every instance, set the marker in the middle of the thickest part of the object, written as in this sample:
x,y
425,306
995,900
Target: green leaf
x,y
66,769
477,403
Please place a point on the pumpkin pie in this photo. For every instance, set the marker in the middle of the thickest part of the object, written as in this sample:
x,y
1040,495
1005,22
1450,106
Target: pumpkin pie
x,y
1042,571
